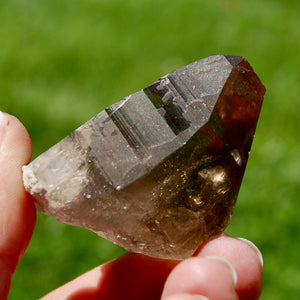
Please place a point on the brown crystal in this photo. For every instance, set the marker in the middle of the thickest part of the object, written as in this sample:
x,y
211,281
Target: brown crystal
x,y
159,171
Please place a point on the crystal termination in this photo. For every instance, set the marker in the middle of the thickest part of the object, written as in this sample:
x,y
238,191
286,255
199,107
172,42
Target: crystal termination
x,y
159,171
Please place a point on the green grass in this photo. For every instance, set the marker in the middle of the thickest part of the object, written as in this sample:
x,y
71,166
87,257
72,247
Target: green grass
x,y
62,61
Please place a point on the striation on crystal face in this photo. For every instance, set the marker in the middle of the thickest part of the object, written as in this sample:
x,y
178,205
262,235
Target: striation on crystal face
x,y
159,171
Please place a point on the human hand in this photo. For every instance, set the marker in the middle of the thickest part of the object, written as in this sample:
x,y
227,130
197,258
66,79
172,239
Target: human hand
x,y
222,268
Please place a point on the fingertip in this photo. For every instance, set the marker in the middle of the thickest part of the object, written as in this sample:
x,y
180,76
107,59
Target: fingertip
x,y
228,265
17,211
255,248
15,141
246,260
209,277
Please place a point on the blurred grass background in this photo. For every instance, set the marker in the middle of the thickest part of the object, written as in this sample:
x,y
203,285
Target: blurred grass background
x,y
63,61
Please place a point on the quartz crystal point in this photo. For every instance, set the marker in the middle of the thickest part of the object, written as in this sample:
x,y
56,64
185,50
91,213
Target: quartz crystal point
x,y
159,171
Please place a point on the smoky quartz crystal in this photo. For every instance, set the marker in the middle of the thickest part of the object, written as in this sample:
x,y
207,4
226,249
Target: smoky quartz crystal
x,y
159,171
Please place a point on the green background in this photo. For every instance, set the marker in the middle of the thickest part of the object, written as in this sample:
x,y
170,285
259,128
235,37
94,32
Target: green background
x,y
63,61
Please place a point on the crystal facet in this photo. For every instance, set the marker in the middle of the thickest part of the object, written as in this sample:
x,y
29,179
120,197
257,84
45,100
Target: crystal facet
x,y
159,171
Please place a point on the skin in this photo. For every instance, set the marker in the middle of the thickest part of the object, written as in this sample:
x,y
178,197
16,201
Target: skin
x,y
222,268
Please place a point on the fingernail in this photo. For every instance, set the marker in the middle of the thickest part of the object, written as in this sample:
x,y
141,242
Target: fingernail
x,y
186,297
199,297
228,264
3,124
254,247
3,119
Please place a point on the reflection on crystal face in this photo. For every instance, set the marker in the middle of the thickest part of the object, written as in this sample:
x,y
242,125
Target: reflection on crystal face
x,y
236,155
159,171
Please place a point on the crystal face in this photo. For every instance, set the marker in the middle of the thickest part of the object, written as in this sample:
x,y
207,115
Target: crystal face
x,y
159,171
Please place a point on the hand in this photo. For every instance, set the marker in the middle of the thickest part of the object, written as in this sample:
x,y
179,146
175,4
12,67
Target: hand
x,y
222,268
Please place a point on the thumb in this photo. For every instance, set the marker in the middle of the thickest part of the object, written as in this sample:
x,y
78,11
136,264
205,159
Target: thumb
x,y
17,211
